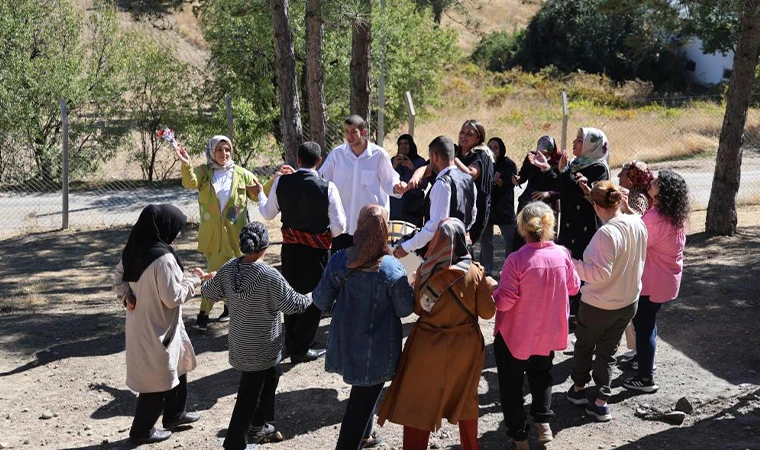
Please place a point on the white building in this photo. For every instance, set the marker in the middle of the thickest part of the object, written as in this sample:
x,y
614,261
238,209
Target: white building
x,y
707,69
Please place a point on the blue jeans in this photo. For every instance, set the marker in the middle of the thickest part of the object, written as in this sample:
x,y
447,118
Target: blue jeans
x,y
646,335
487,248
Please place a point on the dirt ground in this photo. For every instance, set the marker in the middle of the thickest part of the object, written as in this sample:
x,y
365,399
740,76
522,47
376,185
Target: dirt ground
x,y
62,352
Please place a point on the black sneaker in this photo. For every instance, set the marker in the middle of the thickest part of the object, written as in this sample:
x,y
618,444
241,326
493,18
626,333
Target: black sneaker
x,y
225,315
577,397
201,322
600,413
641,384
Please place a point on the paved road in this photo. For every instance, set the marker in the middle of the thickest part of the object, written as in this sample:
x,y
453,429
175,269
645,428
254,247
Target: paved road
x,y
39,212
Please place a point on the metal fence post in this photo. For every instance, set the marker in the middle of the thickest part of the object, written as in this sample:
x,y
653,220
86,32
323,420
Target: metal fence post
x,y
65,169
410,106
230,119
564,120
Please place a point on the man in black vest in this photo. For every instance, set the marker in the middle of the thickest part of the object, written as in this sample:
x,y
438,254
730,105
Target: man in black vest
x,y
453,195
312,214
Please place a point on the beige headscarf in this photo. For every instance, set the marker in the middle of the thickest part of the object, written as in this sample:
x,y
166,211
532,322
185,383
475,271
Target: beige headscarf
x,y
211,146
370,240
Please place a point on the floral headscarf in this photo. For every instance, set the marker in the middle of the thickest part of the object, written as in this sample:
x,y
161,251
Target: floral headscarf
x,y
548,145
596,148
447,253
211,147
638,173
370,239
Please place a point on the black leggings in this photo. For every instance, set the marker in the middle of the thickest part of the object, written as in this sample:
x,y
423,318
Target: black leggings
x,y
359,417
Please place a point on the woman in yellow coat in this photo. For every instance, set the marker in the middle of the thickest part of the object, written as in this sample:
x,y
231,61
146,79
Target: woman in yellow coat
x,y
223,193
438,373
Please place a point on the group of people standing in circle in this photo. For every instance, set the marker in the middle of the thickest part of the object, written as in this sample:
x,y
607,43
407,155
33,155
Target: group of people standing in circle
x,y
582,254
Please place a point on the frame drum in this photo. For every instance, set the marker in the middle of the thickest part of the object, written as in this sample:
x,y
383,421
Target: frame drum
x,y
397,230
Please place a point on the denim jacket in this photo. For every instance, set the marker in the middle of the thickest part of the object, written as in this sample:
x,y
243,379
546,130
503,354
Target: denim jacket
x,y
364,344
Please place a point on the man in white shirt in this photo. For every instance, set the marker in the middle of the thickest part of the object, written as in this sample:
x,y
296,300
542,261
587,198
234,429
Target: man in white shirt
x,y
312,214
453,195
363,174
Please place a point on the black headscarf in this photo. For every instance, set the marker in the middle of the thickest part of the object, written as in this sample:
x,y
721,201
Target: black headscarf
x,y
413,155
150,239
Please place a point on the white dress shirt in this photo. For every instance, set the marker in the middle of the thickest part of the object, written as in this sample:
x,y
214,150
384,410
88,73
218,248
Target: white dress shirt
x,y
440,200
361,180
270,207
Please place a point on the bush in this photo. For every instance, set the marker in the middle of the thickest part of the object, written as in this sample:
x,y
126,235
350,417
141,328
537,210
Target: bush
x,y
622,42
498,51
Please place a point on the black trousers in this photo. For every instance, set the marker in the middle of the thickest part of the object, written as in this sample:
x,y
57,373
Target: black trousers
x,y
302,267
149,406
341,242
254,405
511,372
359,417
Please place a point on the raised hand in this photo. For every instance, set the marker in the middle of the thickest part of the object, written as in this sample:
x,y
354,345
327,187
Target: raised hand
x,y
286,170
539,160
182,155
516,180
563,160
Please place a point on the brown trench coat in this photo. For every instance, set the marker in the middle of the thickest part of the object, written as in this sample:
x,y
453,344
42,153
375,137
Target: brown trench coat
x,y
438,374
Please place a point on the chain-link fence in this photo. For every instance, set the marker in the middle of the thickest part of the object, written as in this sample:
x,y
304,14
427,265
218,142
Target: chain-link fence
x,y
681,133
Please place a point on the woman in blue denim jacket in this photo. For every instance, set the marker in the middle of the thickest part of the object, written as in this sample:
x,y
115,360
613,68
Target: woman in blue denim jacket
x,y
367,290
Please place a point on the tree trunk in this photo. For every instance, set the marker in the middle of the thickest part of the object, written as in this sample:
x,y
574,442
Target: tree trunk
x,y
287,81
315,32
361,39
721,210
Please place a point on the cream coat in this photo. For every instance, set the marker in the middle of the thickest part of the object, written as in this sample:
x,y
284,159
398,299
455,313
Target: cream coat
x,y
158,348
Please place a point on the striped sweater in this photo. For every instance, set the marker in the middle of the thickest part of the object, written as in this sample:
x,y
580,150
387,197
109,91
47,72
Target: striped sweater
x,y
256,294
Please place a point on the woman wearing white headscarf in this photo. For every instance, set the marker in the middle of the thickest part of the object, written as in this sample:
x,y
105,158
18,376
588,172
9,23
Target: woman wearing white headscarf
x,y
223,193
578,221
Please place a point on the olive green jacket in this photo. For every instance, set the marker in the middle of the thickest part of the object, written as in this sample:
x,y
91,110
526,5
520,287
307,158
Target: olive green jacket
x,y
219,231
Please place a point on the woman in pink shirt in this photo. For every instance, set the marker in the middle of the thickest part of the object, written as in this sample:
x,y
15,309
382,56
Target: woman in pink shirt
x,y
662,269
531,321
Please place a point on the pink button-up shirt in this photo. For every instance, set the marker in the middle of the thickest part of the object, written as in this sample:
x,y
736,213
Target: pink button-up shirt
x,y
664,264
531,299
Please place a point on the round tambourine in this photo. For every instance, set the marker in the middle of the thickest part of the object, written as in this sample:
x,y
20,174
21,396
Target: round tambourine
x,y
400,231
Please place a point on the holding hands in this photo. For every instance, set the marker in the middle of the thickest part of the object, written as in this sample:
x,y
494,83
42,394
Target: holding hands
x,y
493,284
204,276
400,188
399,252
255,188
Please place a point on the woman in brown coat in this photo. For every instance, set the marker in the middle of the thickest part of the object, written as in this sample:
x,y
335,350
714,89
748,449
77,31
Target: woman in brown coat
x,y
438,374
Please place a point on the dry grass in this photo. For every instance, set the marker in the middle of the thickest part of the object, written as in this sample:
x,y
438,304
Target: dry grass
x,y
520,108
488,16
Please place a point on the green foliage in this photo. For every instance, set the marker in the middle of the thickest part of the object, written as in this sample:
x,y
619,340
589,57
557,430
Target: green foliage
x,y
715,22
624,41
242,62
498,51
160,93
44,59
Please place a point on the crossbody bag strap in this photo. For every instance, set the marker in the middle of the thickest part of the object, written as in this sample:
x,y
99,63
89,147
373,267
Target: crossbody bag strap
x,y
472,315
